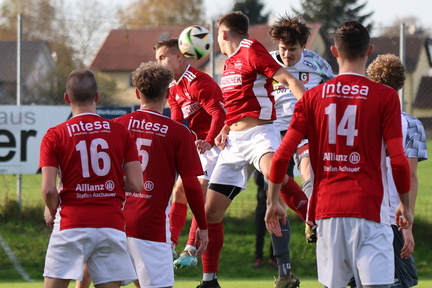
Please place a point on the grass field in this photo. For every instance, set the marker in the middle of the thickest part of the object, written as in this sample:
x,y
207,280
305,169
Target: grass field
x,y
240,283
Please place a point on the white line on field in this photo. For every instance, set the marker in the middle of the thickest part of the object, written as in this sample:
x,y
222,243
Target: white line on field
x,y
14,260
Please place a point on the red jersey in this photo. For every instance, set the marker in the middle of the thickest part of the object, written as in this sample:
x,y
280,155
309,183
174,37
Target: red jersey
x,y
347,120
89,152
166,148
197,98
246,83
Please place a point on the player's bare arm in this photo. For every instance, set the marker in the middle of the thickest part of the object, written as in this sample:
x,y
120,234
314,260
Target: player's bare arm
x,y
413,163
133,179
295,85
409,243
50,193
277,178
201,241
275,212
404,217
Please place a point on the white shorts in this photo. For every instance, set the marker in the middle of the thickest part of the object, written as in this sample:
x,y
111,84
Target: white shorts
x,y
103,249
208,162
153,262
242,154
356,247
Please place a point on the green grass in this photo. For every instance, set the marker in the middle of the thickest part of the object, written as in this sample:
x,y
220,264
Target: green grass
x,y
26,233
240,283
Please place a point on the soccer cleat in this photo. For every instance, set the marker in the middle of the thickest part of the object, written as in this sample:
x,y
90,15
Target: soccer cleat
x,y
209,284
287,282
174,254
273,263
187,259
258,263
310,233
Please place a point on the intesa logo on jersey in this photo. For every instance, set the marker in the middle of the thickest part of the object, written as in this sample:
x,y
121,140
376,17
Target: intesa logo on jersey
x,y
339,89
83,128
141,125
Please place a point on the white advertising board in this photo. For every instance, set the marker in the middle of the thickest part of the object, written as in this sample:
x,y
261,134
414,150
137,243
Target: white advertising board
x,y
21,131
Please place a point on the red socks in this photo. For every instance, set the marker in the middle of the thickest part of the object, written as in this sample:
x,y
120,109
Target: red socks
x,y
192,232
177,220
295,198
210,259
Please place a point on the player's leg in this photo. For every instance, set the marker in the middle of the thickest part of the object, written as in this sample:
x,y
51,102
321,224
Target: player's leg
x,y
55,283
178,211
116,284
260,229
86,279
187,258
281,249
216,205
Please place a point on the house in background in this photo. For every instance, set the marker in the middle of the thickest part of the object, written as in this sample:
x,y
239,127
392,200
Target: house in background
x,y
418,65
38,67
124,50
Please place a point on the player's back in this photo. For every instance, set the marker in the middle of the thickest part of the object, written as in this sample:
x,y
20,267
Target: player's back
x,y
348,118
246,83
195,93
89,152
166,149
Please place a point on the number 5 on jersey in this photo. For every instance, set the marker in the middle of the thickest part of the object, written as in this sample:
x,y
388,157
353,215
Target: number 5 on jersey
x,y
140,143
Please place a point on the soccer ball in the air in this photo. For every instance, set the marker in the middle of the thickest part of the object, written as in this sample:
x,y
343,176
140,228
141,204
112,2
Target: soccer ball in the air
x,y
195,42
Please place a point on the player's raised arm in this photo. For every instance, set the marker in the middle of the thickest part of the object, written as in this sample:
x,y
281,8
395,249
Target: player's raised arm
x,y
286,78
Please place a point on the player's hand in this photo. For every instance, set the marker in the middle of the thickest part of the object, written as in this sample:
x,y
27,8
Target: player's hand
x,y
274,214
409,243
202,146
201,241
404,217
49,219
220,140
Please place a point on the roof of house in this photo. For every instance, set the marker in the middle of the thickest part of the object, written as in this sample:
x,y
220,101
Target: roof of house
x,y
423,99
384,45
8,59
124,50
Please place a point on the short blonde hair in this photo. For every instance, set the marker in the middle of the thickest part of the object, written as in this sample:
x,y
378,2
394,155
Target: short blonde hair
x,y
387,69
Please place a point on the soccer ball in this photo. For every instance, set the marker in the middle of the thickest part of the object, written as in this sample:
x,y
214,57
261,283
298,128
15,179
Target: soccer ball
x,y
195,42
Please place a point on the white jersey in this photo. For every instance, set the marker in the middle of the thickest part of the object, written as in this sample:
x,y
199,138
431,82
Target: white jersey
x,y
414,142
312,70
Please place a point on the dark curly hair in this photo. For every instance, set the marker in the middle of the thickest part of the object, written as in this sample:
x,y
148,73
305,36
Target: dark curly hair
x,y
290,30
